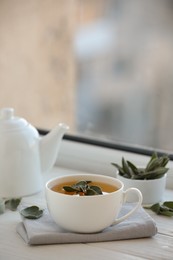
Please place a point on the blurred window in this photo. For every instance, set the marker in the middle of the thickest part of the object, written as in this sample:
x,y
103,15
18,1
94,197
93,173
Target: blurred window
x,y
103,67
125,72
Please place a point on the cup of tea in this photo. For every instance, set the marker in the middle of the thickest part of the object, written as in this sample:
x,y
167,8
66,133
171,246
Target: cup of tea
x,y
88,203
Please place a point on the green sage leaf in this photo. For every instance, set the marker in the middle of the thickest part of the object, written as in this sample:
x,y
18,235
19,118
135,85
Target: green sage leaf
x,y
120,169
32,212
126,167
69,189
155,174
165,208
153,157
132,166
12,204
2,206
165,211
156,168
90,192
168,204
84,188
96,189
155,208
82,183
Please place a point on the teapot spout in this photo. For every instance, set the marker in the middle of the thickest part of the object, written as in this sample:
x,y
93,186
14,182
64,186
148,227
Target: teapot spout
x,y
49,146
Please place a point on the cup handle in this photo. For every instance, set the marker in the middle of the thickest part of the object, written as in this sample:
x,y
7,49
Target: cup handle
x,y
125,194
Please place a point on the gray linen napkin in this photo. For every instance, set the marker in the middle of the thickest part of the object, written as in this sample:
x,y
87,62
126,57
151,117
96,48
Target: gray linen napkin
x,y
45,231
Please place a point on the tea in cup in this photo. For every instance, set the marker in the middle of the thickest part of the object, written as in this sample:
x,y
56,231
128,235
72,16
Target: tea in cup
x,y
88,203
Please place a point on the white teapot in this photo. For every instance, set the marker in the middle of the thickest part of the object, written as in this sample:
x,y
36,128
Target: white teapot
x,y
24,155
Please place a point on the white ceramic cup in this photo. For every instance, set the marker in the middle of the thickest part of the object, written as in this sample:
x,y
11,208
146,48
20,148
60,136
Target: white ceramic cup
x,y
88,214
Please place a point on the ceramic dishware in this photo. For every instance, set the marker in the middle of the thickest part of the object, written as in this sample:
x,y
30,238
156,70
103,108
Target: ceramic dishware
x,y
152,190
89,214
24,155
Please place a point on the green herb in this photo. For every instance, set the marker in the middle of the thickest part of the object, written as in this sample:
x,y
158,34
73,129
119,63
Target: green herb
x,y
12,204
32,212
155,168
2,206
166,208
83,188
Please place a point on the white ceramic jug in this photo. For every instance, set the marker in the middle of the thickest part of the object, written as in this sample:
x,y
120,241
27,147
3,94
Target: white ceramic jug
x,y
24,155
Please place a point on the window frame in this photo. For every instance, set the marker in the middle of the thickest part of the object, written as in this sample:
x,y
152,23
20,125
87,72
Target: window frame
x,y
93,156
112,145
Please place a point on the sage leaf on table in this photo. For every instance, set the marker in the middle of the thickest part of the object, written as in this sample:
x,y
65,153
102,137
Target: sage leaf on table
x,y
12,204
166,208
32,212
2,206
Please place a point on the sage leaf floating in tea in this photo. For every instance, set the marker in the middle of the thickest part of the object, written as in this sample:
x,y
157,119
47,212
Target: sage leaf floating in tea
x,y
83,188
32,212
96,189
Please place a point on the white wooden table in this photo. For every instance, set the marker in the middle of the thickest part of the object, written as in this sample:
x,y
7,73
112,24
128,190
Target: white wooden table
x,y
12,247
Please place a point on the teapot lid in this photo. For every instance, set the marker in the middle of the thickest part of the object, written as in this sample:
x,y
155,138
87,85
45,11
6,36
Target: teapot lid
x,y
9,122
